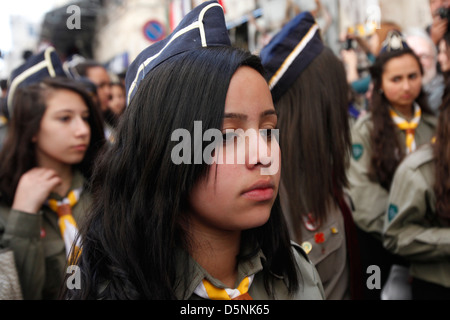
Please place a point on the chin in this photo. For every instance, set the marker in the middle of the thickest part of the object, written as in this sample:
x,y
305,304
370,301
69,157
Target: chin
x,y
255,219
74,160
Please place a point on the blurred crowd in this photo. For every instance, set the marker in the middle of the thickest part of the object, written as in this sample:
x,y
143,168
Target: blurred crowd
x,y
86,178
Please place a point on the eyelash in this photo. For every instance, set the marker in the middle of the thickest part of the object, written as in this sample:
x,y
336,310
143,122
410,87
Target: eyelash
x,y
67,118
228,137
64,119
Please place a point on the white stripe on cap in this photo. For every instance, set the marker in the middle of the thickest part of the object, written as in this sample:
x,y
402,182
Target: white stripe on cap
x,y
47,62
48,58
197,24
292,56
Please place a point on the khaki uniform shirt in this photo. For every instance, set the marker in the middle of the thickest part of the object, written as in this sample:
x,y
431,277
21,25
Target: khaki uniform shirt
x,y
412,228
327,249
310,285
39,249
369,198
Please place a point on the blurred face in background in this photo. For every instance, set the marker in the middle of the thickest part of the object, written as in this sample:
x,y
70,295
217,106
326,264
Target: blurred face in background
x,y
118,100
100,77
443,56
64,133
402,82
426,52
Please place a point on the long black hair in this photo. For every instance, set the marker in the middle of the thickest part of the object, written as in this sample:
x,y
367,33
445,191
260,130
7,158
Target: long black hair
x,y
137,220
18,154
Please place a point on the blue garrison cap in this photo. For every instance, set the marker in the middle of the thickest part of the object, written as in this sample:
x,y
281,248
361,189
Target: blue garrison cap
x,y
204,26
290,51
394,41
37,67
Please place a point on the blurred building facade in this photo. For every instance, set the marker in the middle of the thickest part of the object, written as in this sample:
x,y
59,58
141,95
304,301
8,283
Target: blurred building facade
x,y
113,32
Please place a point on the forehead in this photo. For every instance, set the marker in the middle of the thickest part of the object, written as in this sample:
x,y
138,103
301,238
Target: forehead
x,y
404,63
97,72
248,92
63,99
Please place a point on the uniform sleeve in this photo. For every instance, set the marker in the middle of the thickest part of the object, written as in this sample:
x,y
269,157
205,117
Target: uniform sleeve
x,y
22,235
369,198
312,285
407,230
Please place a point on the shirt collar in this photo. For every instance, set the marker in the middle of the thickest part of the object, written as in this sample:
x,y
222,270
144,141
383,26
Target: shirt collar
x,y
195,273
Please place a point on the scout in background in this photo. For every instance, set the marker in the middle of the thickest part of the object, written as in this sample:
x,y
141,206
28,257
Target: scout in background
x,y
311,100
118,100
54,136
398,122
417,224
159,230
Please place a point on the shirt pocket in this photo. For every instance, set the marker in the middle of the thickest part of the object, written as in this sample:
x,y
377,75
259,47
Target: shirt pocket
x,y
326,253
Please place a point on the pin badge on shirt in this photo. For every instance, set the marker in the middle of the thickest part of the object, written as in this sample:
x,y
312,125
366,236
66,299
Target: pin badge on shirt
x,y
319,237
307,247
310,222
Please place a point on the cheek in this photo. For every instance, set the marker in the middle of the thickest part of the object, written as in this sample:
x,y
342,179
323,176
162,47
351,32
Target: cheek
x,y
219,188
50,144
390,89
212,200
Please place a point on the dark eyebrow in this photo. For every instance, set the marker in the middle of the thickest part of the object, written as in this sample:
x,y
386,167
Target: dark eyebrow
x,y
241,116
235,116
269,113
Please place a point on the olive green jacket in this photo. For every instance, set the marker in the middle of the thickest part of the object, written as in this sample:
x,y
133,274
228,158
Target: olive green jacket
x,y
411,227
310,284
369,198
39,249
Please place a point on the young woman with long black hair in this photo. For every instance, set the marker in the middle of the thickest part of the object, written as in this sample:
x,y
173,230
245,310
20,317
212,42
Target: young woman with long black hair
x,y
161,228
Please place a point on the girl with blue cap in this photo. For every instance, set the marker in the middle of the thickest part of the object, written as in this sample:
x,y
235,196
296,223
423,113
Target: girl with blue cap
x,y
163,229
310,93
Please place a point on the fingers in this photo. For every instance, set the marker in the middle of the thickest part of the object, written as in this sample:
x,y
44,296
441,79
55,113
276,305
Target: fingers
x,y
34,188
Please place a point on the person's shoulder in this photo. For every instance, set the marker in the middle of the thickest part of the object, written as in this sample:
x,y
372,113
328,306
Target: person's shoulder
x,y
429,119
299,253
363,123
360,133
313,289
417,159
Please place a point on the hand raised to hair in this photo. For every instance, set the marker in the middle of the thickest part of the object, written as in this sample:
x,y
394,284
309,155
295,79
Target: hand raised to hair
x,y
33,189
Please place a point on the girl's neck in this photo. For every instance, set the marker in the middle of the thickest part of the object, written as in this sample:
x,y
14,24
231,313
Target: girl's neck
x,y
406,112
217,254
64,172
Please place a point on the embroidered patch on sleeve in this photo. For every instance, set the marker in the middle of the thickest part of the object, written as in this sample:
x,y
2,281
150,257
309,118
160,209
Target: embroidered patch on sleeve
x,y
392,212
357,151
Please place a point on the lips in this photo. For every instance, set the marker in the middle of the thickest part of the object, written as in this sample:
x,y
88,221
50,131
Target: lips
x,y
80,147
260,191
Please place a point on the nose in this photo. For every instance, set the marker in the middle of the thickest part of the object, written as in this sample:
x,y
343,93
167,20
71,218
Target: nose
x,y
262,148
82,127
406,85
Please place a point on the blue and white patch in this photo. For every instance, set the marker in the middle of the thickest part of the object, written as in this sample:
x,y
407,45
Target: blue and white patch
x,y
357,151
392,212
